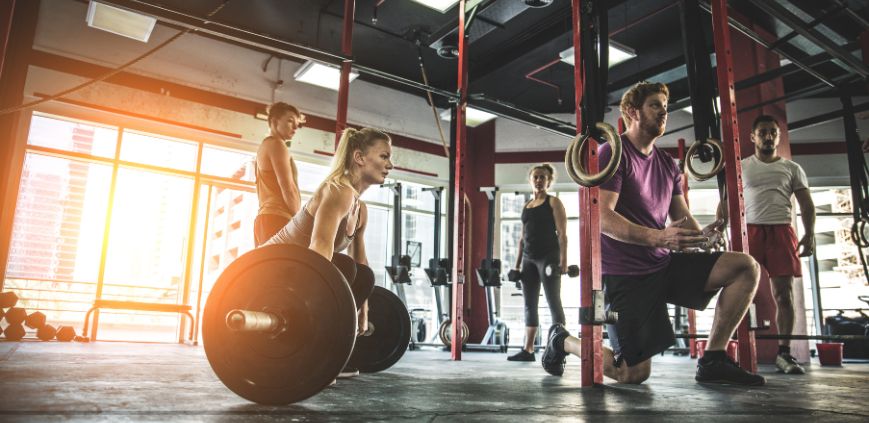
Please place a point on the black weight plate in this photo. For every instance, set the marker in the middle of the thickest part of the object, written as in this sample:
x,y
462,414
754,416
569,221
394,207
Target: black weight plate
x,y
383,348
298,363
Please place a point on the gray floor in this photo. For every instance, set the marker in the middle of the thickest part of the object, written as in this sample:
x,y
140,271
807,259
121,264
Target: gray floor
x,y
158,382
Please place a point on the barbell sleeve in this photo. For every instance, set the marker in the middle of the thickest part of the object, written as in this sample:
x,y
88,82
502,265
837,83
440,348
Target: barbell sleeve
x,y
253,321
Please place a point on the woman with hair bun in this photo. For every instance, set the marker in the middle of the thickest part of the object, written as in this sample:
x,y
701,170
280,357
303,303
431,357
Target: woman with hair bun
x,y
542,244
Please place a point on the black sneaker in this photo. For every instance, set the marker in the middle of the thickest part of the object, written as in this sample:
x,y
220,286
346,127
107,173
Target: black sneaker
x,y
554,356
522,355
787,364
726,372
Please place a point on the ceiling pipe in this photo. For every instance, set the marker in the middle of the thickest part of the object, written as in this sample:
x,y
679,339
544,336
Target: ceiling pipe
x,y
785,16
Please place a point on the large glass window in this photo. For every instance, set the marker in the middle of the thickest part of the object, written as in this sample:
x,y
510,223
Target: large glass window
x,y
115,213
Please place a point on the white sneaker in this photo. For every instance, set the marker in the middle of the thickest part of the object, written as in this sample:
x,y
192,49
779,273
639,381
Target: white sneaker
x,y
348,372
788,365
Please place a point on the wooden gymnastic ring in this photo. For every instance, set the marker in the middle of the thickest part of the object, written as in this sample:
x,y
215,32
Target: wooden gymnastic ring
x,y
573,157
689,168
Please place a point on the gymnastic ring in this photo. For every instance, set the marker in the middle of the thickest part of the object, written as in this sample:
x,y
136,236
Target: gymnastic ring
x,y
573,157
689,168
858,234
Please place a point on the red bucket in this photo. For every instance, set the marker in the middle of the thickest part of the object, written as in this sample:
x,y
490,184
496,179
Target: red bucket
x,y
830,353
732,349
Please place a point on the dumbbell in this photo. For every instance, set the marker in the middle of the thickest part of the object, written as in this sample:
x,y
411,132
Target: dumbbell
x,y
35,320
572,270
515,276
8,299
46,332
14,332
16,315
65,333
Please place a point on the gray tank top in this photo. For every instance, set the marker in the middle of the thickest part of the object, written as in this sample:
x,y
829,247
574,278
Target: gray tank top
x,y
298,231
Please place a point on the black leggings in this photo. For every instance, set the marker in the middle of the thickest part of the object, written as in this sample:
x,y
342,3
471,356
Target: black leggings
x,y
533,271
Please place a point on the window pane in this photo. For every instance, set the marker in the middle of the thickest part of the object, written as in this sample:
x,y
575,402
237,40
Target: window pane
x,y
311,175
163,152
570,199
511,204
54,254
378,194
378,247
72,136
230,216
228,163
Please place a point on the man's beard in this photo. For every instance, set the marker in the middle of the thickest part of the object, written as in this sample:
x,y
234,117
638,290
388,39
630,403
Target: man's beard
x,y
767,148
652,128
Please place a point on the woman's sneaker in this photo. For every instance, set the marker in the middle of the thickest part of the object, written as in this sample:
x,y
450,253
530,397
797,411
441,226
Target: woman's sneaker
x,y
725,371
348,372
788,365
522,355
554,355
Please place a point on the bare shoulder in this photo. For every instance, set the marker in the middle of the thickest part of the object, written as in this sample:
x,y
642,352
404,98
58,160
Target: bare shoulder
x,y
337,196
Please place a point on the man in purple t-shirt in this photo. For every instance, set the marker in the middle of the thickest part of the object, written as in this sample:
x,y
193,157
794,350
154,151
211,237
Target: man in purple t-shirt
x,y
646,263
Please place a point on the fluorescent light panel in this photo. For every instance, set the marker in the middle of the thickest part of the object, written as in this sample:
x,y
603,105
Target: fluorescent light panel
x,y
617,54
439,5
473,117
120,21
321,75
689,109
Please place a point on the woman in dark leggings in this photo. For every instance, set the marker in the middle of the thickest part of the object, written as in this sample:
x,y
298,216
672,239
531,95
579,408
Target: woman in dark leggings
x,y
543,243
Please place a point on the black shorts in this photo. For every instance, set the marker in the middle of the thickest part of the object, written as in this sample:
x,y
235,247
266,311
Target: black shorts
x,y
644,327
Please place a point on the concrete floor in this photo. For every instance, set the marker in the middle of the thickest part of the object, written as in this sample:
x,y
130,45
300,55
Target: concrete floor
x,y
108,381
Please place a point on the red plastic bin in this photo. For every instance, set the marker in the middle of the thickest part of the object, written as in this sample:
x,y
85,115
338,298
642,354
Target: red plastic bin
x,y
830,353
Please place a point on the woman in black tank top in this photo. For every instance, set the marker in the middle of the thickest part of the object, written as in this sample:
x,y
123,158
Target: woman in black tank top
x,y
543,244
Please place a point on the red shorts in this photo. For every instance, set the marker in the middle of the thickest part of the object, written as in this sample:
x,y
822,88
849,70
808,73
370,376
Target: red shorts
x,y
775,248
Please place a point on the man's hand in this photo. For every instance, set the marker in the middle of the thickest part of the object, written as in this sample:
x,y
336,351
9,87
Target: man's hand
x,y
806,246
714,231
678,237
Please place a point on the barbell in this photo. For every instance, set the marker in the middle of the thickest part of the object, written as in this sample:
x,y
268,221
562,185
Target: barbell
x,y
280,324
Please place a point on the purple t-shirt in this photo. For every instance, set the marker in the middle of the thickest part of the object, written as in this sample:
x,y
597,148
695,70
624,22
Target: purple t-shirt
x,y
646,186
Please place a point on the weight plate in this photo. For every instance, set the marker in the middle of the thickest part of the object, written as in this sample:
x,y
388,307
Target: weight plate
x,y
445,332
391,335
295,364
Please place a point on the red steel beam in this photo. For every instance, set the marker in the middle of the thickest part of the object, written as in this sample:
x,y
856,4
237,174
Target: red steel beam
x,y
344,84
6,8
459,193
589,229
732,165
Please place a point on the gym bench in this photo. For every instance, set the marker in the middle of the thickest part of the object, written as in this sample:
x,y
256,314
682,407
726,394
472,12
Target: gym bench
x,y
132,305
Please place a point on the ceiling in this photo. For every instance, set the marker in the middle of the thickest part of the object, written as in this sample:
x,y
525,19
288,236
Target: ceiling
x,y
509,40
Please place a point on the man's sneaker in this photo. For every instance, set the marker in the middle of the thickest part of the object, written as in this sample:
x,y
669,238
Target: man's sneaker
x,y
522,355
788,365
554,356
348,372
726,372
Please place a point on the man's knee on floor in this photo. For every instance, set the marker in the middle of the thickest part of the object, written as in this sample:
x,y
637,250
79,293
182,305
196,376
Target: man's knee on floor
x,y
634,375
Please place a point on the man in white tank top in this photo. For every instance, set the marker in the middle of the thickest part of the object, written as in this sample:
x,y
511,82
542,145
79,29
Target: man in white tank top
x,y
768,182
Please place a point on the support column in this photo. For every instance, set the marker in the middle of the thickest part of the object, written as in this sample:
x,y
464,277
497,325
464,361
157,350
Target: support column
x,y
17,28
480,152
732,165
344,84
591,336
459,191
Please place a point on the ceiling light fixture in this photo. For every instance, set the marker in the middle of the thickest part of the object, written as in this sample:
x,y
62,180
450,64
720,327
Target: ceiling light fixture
x,y
120,21
618,53
538,3
473,117
321,75
439,5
